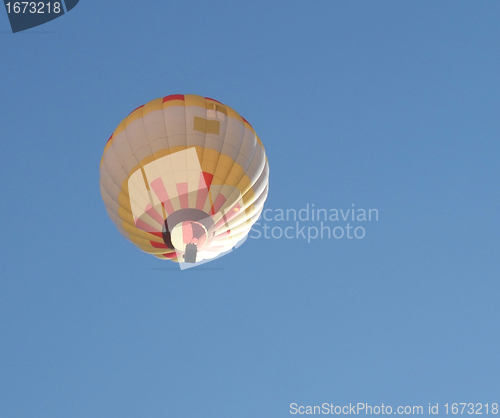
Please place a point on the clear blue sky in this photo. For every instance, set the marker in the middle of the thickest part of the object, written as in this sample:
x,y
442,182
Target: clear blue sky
x,y
391,105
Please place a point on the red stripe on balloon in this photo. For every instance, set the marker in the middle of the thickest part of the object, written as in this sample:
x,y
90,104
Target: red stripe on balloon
x,y
159,189
154,214
158,244
182,189
170,255
169,209
135,109
202,198
213,100
218,203
208,179
144,226
245,120
173,97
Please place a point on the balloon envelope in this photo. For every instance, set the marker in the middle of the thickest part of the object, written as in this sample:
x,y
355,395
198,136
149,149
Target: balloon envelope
x,y
184,178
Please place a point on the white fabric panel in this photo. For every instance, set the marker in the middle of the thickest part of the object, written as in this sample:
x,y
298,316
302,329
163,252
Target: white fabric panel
x,y
108,183
222,127
247,150
230,151
175,120
117,178
249,143
112,164
136,135
235,132
176,140
213,142
155,125
143,152
131,164
164,165
194,137
121,147
160,144
138,194
110,203
259,201
257,164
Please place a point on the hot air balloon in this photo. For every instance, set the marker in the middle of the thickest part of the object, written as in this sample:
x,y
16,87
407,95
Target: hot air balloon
x,y
184,178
